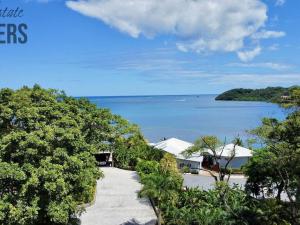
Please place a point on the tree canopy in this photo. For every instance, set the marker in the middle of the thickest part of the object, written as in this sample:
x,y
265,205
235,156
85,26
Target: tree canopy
x,y
269,94
47,142
275,169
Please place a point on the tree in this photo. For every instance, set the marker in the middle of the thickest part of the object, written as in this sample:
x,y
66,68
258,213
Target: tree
x,y
212,146
294,98
128,150
263,180
168,164
47,142
269,94
161,182
276,167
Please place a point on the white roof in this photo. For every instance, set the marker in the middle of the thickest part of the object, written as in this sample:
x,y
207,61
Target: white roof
x,y
228,151
176,147
173,146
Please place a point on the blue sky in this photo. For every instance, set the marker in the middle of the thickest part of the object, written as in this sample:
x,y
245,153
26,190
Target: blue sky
x,y
96,47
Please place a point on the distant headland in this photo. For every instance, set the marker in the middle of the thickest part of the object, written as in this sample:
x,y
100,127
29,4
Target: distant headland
x,y
269,94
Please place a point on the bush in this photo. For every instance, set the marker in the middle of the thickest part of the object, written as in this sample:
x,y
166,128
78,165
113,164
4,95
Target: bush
x,y
127,152
185,169
161,181
147,167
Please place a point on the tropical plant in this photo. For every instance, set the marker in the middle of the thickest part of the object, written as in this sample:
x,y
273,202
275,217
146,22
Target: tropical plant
x,y
222,205
274,170
161,182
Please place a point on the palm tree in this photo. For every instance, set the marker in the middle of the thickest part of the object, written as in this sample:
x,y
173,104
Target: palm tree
x,y
161,187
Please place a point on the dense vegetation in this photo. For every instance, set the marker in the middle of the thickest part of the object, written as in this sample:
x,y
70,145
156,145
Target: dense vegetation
x,y
128,152
176,206
47,167
274,171
47,142
269,94
271,195
220,205
162,182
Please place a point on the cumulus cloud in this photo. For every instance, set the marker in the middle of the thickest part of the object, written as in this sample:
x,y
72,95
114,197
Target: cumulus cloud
x,y
247,56
200,26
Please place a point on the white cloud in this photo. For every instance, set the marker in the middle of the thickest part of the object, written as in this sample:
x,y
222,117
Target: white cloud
x,y
279,2
247,56
255,80
268,65
266,34
199,26
273,47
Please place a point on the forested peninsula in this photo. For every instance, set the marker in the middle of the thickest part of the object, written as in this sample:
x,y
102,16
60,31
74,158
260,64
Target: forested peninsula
x,y
269,94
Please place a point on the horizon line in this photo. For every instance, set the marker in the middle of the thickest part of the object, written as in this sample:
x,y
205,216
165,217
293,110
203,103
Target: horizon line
x,y
154,95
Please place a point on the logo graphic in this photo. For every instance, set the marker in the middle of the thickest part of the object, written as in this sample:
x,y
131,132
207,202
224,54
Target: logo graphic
x,y
12,33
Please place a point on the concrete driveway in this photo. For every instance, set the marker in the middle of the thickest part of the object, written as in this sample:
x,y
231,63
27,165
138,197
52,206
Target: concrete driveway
x,y
117,202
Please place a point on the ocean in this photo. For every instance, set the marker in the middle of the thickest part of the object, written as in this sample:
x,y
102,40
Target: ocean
x,y
188,117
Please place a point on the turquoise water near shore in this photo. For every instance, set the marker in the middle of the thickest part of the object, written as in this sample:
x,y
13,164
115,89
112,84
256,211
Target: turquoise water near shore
x,y
190,116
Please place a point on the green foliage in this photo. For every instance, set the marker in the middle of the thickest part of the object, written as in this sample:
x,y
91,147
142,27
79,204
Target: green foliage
x,y
269,94
211,145
168,164
272,171
294,100
47,141
275,169
279,161
128,151
145,167
262,175
161,181
296,96
222,205
185,169
269,212
201,146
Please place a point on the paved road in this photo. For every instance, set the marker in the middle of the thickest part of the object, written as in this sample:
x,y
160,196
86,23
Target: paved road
x,y
117,202
207,182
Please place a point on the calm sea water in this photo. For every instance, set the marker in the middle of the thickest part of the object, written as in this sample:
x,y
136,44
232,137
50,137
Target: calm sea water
x,y
188,117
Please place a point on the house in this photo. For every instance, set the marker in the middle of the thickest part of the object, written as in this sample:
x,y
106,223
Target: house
x,y
240,156
175,147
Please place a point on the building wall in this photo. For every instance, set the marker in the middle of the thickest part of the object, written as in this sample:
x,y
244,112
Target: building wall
x,y
190,164
236,163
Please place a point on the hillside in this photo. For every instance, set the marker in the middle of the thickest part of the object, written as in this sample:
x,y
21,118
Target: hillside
x,y
269,94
